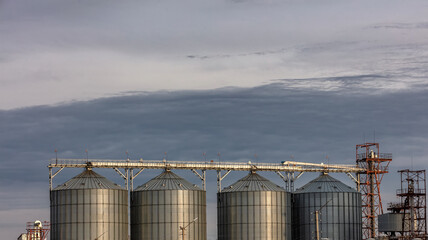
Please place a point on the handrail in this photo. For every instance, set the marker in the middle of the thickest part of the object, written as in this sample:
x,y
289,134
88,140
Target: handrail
x,y
290,166
381,156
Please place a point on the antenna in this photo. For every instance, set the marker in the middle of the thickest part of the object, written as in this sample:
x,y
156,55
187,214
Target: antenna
x,y
374,135
255,157
87,155
56,156
205,156
164,160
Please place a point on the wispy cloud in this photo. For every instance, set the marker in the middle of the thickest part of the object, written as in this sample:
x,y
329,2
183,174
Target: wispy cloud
x,y
54,51
419,25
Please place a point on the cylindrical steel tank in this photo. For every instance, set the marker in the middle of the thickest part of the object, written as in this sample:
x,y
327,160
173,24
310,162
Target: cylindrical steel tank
x,y
160,207
89,206
254,209
339,209
392,222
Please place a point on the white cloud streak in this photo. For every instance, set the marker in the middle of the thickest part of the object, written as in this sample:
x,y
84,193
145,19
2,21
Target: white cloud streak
x,y
54,51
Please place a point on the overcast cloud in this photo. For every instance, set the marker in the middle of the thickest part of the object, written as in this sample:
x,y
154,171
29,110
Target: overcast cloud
x,y
273,121
272,78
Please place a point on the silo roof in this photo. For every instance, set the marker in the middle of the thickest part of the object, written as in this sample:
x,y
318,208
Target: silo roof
x,y
253,182
88,179
325,183
167,181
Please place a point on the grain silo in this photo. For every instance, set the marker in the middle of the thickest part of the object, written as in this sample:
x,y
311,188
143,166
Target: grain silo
x,y
252,209
89,206
160,207
338,205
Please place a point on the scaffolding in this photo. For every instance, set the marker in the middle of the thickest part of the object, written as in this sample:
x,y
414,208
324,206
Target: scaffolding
x,y
375,165
412,205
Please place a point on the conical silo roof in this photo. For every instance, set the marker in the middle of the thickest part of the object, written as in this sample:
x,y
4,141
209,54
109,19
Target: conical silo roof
x,y
167,181
253,182
325,183
88,179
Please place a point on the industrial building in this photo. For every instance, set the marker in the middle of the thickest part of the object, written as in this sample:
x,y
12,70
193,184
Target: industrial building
x,y
90,206
164,206
254,208
407,218
327,208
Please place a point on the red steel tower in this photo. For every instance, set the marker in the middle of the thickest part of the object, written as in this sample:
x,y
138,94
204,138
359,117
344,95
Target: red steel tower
x,y
37,230
375,164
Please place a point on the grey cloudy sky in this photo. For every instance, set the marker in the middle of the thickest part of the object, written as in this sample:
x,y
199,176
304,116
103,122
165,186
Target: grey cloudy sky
x,y
57,51
276,78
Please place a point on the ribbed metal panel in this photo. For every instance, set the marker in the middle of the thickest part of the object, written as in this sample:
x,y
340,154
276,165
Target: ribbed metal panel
x,y
254,209
392,222
167,181
88,180
339,219
325,183
253,182
162,205
83,209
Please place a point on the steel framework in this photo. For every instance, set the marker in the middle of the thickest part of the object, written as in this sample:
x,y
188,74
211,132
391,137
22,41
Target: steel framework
x,y
375,165
132,168
367,174
37,230
412,204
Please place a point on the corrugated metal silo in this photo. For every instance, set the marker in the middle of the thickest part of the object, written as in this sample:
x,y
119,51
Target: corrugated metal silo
x,y
339,219
164,204
253,209
89,206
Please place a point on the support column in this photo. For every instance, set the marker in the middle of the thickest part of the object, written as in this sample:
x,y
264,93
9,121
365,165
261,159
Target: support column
x,y
132,179
202,177
219,181
220,178
50,179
